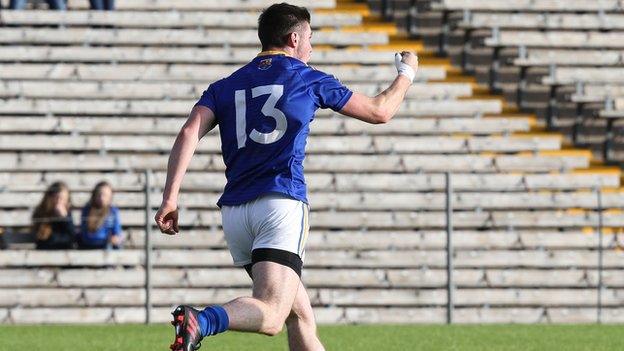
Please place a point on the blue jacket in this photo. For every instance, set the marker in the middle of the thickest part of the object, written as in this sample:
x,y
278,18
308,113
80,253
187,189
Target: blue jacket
x,y
110,227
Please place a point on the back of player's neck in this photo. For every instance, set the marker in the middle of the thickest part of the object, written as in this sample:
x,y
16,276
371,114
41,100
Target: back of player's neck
x,y
274,51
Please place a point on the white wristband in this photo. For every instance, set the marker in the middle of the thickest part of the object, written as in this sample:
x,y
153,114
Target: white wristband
x,y
404,68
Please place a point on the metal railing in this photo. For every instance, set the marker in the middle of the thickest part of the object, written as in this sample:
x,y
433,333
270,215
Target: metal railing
x,y
148,247
450,287
450,284
149,188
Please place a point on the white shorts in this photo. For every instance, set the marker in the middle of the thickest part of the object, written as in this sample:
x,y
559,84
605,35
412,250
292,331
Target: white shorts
x,y
272,221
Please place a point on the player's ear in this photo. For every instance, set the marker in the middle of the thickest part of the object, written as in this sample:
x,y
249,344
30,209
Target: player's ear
x,y
293,39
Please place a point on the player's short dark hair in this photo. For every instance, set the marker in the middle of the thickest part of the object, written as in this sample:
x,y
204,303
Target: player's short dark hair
x,y
279,20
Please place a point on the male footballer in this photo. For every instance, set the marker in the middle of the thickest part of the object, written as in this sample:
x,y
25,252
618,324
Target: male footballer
x,y
264,110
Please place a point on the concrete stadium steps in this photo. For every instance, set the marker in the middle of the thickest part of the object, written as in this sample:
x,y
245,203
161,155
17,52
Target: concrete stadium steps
x,y
556,39
326,315
360,259
345,297
410,108
127,108
545,20
509,239
570,75
600,90
318,278
170,37
536,58
204,74
187,5
615,114
499,278
530,162
598,94
481,315
568,218
166,19
525,208
404,239
467,107
531,5
532,52
83,58
546,57
374,201
336,125
342,182
359,144
183,90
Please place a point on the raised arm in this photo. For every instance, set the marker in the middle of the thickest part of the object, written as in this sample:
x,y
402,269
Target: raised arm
x,y
381,108
200,121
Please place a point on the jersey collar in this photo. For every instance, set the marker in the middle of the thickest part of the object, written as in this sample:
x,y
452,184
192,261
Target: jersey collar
x,y
272,52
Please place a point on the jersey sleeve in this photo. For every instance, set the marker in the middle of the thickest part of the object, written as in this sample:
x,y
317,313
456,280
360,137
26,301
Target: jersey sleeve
x,y
208,99
326,90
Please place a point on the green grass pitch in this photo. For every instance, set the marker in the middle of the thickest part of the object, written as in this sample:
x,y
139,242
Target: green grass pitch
x,y
365,337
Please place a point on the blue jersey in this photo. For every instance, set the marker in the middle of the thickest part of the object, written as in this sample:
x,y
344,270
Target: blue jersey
x,y
264,111
110,227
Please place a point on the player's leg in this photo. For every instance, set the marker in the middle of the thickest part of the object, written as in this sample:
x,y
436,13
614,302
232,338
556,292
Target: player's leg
x,y
274,290
280,226
301,324
192,325
276,228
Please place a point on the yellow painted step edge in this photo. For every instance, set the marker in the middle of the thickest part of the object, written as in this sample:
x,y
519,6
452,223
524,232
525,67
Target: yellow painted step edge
x,y
566,152
598,170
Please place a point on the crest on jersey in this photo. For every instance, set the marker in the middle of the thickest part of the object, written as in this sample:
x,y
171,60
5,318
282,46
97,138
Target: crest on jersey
x,y
265,63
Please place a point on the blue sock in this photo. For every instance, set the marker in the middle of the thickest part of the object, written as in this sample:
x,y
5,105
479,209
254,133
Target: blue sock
x,y
213,320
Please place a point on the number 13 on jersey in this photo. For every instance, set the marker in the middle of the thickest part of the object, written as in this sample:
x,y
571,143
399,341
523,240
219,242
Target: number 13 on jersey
x,y
275,92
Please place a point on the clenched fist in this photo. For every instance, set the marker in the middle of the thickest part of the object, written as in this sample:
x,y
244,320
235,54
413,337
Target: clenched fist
x,y
406,64
167,218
